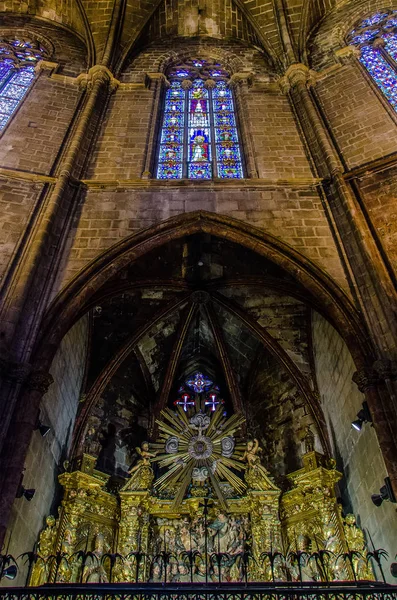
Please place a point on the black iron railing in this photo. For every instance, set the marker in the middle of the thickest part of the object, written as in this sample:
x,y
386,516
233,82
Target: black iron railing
x,y
251,591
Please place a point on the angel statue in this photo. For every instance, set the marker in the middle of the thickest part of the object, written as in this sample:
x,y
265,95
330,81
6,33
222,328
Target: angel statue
x,y
142,472
256,475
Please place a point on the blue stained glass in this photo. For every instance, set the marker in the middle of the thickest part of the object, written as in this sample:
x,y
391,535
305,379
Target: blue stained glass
x,y
24,76
226,135
227,152
373,20
223,104
221,90
3,121
173,120
5,68
381,71
173,135
224,119
7,105
170,152
390,23
200,171
199,383
174,105
230,171
167,171
14,91
391,45
193,133
365,36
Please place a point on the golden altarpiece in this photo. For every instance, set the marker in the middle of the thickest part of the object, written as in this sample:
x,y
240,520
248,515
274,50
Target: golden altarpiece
x,y
212,513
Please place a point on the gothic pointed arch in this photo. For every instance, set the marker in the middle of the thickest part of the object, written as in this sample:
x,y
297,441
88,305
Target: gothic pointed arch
x,y
325,295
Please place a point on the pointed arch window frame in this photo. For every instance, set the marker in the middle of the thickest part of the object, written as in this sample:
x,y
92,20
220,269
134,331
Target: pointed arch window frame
x,y
376,39
18,59
215,167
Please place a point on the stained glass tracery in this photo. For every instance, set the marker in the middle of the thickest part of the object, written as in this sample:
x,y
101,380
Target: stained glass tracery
x,y
17,62
199,137
376,37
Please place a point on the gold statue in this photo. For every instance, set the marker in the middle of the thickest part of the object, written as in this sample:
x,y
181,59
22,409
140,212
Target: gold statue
x,y
144,461
142,473
251,454
256,475
355,541
46,548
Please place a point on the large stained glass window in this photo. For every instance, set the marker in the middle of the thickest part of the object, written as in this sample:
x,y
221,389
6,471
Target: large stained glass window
x,y
17,62
377,39
199,137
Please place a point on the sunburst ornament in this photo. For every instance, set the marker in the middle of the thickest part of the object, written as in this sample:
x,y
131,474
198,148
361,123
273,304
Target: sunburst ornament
x,y
198,448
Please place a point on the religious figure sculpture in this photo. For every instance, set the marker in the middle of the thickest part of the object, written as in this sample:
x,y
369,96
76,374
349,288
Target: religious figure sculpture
x,y
256,475
142,472
309,440
46,547
355,541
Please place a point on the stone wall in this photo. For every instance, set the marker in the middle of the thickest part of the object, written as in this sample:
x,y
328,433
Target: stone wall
x,y
46,454
357,454
361,125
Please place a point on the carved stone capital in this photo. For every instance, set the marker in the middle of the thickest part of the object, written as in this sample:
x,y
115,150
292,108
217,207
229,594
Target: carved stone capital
x,y
379,43
347,54
365,379
240,79
386,369
97,73
14,371
39,381
46,65
297,73
153,78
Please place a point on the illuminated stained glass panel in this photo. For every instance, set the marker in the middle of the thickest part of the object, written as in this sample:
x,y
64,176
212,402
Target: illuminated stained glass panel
x,y
379,58
199,137
391,44
199,133
13,91
381,71
170,161
228,157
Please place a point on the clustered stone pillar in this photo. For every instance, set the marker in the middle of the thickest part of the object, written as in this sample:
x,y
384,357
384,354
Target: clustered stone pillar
x,y
28,296
374,290
239,82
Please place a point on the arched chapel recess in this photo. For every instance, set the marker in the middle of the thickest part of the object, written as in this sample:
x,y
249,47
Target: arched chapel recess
x,y
202,344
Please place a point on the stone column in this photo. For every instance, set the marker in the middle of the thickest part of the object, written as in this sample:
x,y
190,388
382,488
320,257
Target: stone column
x,y
27,295
375,292
156,82
239,82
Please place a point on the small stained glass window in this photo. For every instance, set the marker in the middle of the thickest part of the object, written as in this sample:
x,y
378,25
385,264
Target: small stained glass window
x,y
376,37
17,62
199,137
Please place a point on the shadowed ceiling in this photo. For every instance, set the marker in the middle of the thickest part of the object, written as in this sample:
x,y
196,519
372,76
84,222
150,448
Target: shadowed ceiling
x,y
276,27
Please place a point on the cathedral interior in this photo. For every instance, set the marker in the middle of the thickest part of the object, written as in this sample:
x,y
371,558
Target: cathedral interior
x,y
198,268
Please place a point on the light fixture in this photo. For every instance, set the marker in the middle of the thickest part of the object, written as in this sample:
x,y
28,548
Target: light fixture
x,y
44,429
26,493
363,416
10,572
385,493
